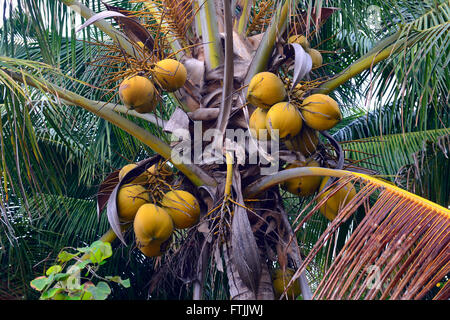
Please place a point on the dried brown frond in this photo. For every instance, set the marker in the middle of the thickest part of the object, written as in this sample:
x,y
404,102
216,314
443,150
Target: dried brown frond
x,y
399,250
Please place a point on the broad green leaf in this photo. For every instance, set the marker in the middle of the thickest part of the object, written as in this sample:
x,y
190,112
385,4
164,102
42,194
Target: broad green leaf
x,y
53,269
75,295
101,291
61,276
65,256
100,251
40,283
125,283
87,296
50,293
83,264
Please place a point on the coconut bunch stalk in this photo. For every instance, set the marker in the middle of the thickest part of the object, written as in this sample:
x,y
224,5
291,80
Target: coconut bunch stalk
x,y
243,228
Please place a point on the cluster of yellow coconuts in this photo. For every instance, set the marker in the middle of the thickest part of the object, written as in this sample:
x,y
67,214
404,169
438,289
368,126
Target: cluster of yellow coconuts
x,y
139,93
268,94
298,128
154,224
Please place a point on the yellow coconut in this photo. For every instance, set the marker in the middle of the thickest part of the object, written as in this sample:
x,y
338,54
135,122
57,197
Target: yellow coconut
x,y
265,89
316,58
152,249
183,207
152,223
286,118
280,281
305,142
301,40
141,179
138,93
320,112
157,169
170,74
257,122
129,199
125,169
331,208
303,186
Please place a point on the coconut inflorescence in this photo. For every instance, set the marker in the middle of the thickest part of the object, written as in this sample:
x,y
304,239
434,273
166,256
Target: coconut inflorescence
x,y
154,208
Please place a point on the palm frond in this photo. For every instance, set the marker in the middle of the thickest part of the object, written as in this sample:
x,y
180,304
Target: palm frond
x,y
389,152
428,172
397,251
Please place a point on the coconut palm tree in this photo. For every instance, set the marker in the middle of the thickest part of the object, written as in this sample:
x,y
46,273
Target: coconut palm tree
x,y
66,133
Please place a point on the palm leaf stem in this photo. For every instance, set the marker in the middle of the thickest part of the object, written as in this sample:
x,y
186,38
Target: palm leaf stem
x,y
210,34
193,173
123,109
245,15
365,62
226,102
106,27
269,181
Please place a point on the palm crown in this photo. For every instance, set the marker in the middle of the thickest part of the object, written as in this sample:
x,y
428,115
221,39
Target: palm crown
x,y
61,177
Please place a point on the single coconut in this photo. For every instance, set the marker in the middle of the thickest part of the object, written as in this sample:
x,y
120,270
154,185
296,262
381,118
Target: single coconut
x,y
138,93
320,112
303,186
280,281
338,200
152,223
152,249
286,118
183,207
316,58
301,40
257,122
129,199
170,74
141,179
265,89
305,142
